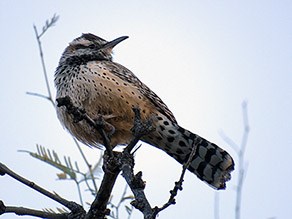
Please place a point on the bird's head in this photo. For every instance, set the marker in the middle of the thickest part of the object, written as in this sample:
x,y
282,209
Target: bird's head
x,y
89,47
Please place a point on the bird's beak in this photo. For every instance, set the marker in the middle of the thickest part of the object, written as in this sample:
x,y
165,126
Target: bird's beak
x,y
115,42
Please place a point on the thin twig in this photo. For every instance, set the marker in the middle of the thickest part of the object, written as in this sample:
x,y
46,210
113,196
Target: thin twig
x,y
79,191
89,166
178,185
137,186
74,207
31,212
117,207
240,151
229,141
39,95
38,36
241,160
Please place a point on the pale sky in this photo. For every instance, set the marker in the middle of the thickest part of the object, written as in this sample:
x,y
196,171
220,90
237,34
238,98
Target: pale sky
x,y
203,58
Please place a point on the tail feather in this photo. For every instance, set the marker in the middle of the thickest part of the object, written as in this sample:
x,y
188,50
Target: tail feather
x,y
210,163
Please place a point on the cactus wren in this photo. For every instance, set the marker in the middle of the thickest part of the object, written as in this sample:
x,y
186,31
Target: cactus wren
x,y
87,74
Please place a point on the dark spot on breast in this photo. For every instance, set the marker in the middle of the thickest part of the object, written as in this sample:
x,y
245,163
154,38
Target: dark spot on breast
x,y
182,144
166,123
162,128
170,139
171,132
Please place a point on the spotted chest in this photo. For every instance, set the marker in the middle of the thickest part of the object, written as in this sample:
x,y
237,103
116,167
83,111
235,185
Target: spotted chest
x,y
98,91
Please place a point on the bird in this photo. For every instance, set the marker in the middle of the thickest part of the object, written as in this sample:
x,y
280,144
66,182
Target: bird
x,y
87,74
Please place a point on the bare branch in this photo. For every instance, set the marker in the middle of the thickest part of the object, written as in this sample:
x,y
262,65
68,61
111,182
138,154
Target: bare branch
x,y
39,95
241,162
137,186
69,204
229,141
240,151
49,23
178,185
111,168
89,166
31,212
123,198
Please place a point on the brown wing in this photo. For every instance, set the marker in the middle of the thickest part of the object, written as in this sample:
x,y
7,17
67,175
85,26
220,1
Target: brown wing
x,y
126,75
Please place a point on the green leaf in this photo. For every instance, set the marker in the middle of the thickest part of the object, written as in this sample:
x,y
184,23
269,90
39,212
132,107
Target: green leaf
x,y
45,155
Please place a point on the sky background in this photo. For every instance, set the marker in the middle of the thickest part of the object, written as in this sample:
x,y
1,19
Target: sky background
x,y
203,58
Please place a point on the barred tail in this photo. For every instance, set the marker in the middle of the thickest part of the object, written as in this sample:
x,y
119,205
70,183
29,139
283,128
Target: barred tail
x,y
210,163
